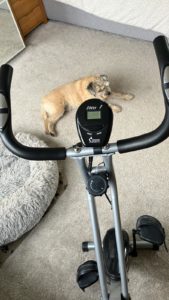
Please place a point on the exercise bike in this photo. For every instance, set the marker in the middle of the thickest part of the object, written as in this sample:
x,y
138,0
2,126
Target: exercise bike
x,y
94,120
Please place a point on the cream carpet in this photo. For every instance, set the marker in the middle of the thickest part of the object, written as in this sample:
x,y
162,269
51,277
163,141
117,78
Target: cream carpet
x,y
43,264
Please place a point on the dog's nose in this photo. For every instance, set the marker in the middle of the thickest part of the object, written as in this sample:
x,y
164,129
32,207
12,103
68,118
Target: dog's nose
x,y
108,93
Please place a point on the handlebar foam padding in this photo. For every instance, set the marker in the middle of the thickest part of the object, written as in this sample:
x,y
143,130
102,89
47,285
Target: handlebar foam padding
x,y
30,153
162,132
146,140
6,72
162,52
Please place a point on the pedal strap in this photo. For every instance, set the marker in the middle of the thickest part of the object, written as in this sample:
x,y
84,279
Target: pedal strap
x,y
87,274
151,230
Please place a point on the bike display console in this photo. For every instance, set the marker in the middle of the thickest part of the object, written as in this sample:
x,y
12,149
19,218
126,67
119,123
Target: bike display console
x,y
94,119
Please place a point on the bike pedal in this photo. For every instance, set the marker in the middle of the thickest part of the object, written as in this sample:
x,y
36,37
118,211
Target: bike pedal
x,y
87,274
110,252
150,229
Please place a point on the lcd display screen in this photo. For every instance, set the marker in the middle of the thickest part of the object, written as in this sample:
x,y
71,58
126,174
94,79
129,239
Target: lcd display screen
x,y
94,115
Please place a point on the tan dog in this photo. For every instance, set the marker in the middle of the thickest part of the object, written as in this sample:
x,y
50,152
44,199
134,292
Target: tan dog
x,y
71,95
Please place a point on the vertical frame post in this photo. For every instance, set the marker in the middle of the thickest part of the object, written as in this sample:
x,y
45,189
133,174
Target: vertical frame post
x,y
117,223
96,233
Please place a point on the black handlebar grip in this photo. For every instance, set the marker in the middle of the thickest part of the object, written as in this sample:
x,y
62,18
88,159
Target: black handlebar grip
x,y
30,153
162,132
6,72
161,47
162,52
6,132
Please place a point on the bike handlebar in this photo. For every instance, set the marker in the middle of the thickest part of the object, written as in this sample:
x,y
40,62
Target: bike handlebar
x,y
126,145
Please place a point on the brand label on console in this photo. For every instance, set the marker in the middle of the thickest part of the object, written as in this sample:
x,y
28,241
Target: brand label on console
x,y
91,107
91,140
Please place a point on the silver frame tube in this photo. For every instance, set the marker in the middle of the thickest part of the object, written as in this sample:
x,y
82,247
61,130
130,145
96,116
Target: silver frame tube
x,y
98,246
96,232
82,166
81,151
117,224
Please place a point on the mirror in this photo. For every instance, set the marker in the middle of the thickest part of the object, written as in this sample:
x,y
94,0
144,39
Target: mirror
x,y
11,42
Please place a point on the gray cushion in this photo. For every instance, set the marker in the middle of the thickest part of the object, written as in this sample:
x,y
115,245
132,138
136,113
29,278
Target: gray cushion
x,y
26,190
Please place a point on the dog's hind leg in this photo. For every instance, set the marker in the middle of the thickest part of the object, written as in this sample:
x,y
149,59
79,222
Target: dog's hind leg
x,y
123,96
52,119
52,127
44,116
45,120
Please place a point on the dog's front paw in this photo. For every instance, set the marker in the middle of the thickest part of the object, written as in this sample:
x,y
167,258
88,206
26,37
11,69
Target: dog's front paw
x,y
52,129
116,108
53,133
128,97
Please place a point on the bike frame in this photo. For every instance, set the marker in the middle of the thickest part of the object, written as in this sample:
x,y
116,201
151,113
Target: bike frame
x,y
96,230
117,290
79,153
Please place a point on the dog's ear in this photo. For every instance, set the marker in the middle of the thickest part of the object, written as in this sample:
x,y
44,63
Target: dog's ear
x,y
91,88
104,77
